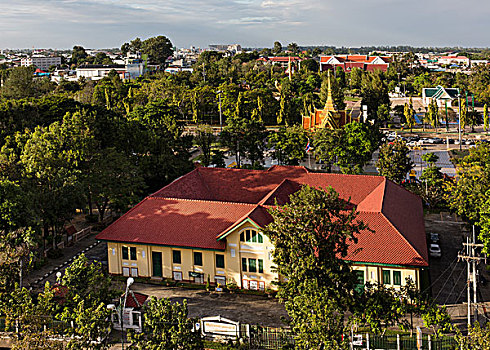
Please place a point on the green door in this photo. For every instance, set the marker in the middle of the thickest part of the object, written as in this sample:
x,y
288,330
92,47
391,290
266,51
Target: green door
x,y
156,257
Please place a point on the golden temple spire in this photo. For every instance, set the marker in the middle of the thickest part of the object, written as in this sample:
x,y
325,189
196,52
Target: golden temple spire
x,y
329,106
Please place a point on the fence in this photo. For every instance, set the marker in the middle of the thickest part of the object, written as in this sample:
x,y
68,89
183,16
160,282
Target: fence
x,y
404,342
270,338
280,338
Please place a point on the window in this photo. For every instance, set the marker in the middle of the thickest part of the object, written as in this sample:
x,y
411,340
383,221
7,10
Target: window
x,y
197,258
125,254
134,272
126,271
386,277
261,266
359,287
397,278
176,256
244,264
220,261
177,275
136,318
220,280
251,236
252,267
132,252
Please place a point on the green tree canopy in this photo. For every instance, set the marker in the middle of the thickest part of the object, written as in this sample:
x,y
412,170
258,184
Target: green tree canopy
x,y
166,327
394,161
311,236
289,144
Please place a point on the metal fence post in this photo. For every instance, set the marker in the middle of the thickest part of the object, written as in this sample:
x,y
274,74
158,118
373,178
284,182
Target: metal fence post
x,y
398,342
367,341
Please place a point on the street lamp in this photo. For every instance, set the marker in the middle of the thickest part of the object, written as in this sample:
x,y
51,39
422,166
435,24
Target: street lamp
x,y
220,118
122,306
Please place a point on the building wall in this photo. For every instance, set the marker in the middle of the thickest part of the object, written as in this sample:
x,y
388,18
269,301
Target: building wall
x,y
374,274
232,271
235,251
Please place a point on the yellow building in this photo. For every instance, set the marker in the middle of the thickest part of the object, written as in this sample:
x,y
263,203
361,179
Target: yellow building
x,y
207,224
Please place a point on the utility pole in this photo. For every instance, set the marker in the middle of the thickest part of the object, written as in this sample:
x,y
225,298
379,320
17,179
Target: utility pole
x,y
472,257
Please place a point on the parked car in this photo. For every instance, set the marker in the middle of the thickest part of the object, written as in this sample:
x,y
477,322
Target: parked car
x,y
435,250
434,237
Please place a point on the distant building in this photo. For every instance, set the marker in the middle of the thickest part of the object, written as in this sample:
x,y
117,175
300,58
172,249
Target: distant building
x,y
41,62
443,96
328,117
348,62
283,61
458,60
233,48
129,71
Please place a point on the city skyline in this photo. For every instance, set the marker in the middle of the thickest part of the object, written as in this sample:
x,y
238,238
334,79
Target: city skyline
x,y
251,23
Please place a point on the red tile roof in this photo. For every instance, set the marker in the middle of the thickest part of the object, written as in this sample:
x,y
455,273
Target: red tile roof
x,y
201,207
135,299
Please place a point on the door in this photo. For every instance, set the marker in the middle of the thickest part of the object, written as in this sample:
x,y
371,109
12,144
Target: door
x,y
156,258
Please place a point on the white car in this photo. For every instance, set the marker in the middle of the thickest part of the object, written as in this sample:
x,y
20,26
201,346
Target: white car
x,y
435,250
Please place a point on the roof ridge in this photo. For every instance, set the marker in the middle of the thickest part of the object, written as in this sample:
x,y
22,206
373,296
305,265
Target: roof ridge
x,y
271,192
175,180
198,200
238,221
203,181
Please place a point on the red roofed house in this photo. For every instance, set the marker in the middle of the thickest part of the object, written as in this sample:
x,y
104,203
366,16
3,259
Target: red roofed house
x,y
348,62
132,313
208,223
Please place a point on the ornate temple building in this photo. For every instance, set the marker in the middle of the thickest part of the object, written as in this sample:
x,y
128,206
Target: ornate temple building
x,y
328,117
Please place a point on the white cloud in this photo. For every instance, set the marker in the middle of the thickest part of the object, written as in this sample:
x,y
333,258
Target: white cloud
x,y
109,23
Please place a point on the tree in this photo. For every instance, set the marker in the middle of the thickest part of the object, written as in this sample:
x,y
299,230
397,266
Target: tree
x,y
357,145
20,83
374,93
432,189
91,325
468,196
289,144
78,55
277,49
311,236
245,137
485,117
47,164
293,47
409,117
327,143
433,114
204,139
394,161
166,326
478,337
87,281
463,116
158,49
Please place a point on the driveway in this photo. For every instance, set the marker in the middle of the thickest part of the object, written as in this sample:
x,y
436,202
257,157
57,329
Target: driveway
x,y
245,308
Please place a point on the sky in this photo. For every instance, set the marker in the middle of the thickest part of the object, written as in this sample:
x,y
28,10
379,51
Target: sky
x,y
251,23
